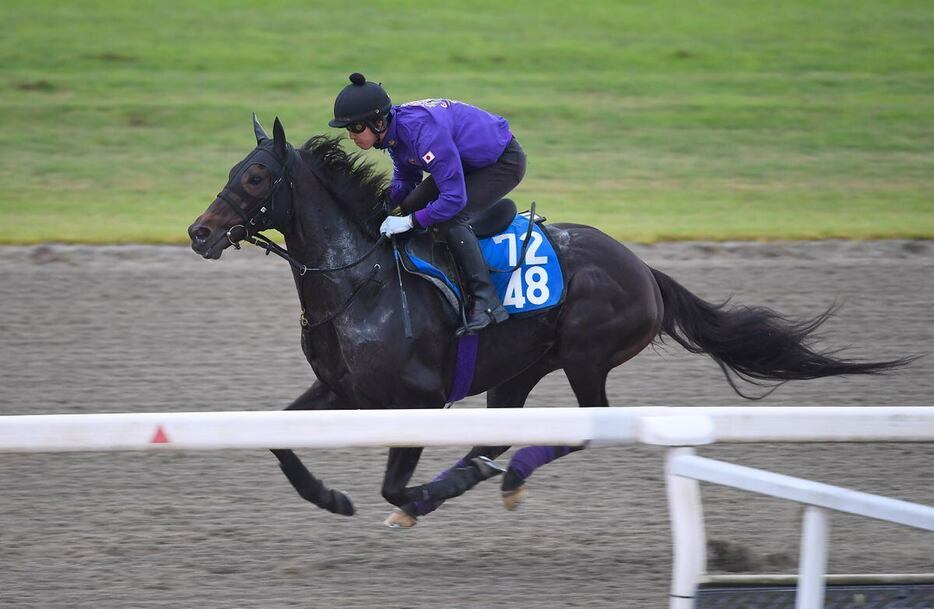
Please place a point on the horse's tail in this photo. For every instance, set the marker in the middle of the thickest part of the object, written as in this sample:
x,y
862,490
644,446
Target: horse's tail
x,y
754,343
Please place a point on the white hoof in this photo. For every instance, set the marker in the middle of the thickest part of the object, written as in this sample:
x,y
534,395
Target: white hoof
x,y
512,499
398,519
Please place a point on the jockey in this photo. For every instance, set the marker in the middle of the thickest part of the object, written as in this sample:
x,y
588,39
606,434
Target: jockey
x,y
473,161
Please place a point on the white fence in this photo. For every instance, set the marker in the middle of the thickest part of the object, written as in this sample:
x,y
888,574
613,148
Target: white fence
x,y
683,471
674,427
462,427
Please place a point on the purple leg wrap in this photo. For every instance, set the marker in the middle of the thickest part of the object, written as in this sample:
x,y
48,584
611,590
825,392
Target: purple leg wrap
x,y
427,507
528,459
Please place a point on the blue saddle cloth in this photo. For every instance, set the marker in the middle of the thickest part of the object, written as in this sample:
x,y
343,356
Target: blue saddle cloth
x,y
535,286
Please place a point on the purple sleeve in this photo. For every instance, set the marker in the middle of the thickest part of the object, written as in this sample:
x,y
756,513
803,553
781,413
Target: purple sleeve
x,y
405,178
441,159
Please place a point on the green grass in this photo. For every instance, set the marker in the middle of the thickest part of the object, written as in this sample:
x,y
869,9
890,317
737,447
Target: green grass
x,y
664,120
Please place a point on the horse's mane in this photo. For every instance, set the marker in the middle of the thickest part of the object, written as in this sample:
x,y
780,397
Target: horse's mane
x,y
349,175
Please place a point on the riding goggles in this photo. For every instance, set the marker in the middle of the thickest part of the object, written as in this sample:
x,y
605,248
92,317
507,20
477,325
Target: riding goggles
x,y
356,127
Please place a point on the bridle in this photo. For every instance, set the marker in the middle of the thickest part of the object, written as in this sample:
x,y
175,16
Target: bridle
x,y
275,212
268,212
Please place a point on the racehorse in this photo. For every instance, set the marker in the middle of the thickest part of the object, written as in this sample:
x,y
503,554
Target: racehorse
x,y
327,205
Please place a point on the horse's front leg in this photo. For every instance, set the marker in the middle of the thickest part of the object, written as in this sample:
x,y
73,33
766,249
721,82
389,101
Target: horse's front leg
x,y
476,465
418,500
405,516
317,397
399,469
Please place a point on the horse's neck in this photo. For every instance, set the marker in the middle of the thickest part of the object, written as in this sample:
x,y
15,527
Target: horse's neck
x,y
323,235
325,242
323,229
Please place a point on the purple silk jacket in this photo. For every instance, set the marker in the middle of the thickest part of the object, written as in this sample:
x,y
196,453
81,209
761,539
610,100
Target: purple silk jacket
x,y
446,138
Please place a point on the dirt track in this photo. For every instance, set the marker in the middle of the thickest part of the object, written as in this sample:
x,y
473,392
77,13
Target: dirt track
x,y
158,329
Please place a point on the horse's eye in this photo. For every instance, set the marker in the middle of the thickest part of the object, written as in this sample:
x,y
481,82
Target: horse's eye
x,y
255,180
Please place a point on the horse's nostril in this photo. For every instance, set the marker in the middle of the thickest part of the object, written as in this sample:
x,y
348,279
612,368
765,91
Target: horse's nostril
x,y
199,232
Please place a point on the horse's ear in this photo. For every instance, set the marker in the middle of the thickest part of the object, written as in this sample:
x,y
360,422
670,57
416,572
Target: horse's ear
x,y
278,138
258,130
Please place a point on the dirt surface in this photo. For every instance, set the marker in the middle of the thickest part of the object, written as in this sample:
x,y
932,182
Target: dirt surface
x,y
114,329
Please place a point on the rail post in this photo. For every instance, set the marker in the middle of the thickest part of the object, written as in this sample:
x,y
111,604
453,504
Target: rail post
x,y
689,560
812,567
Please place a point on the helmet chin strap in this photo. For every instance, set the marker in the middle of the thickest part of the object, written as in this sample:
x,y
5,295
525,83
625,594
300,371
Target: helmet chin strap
x,y
380,132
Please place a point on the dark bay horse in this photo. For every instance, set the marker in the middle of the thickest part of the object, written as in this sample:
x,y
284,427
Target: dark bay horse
x,y
326,204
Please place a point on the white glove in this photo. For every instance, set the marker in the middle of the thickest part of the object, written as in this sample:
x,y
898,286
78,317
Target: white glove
x,y
393,225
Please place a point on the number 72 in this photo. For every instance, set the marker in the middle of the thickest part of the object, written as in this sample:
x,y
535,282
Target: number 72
x,y
531,254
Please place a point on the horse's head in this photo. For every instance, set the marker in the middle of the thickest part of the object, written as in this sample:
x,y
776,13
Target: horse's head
x,y
257,196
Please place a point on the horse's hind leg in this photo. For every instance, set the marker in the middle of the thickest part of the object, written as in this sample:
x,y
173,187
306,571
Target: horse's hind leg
x,y
588,358
611,313
317,397
589,385
511,394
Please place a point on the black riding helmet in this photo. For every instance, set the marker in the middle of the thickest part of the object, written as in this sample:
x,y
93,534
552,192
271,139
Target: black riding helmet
x,y
361,102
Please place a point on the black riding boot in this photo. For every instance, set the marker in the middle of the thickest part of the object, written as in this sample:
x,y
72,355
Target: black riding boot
x,y
485,307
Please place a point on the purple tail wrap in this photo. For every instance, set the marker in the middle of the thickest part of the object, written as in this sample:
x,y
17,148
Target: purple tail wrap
x,y
426,507
528,459
464,369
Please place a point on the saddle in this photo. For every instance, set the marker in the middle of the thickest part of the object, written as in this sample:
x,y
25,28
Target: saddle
x,y
535,285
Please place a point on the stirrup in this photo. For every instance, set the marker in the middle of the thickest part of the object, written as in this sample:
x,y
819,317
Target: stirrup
x,y
489,317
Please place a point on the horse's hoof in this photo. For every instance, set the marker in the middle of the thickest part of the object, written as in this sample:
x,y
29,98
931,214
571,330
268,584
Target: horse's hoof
x,y
342,504
398,519
512,499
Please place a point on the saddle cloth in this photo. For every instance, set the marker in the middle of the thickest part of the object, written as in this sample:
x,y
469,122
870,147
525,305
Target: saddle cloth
x,y
535,286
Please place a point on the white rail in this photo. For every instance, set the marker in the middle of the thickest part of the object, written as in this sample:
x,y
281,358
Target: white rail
x,y
807,492
678,427
461,427
683,471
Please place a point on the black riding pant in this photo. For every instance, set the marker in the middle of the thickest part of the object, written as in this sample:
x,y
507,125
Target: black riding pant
x,y
485,186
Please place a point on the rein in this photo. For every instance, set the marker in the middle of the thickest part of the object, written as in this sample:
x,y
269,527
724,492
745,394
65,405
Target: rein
x,y
260,209
271,246
308,326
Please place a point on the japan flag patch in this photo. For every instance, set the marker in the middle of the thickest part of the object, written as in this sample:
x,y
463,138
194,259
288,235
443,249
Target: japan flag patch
x,y
428,157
